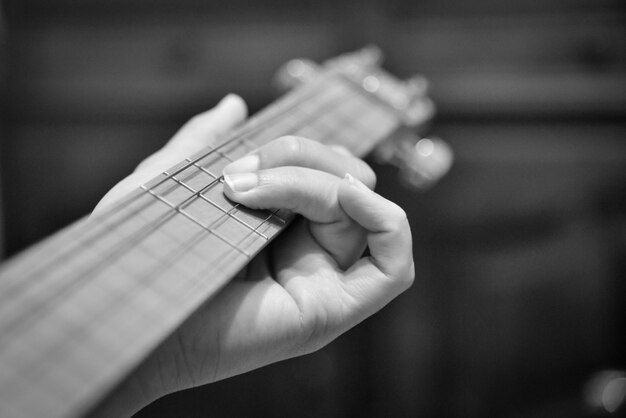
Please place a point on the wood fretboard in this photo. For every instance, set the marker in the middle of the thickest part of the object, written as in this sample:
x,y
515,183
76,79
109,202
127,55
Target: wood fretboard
x,y
79,311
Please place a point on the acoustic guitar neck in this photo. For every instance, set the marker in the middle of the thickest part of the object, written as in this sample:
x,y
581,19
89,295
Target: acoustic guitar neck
x,y
80,310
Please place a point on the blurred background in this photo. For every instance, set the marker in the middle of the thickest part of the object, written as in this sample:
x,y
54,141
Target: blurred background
x,y
518,309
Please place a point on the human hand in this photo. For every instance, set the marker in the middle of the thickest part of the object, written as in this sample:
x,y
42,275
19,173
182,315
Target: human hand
x,y
307,287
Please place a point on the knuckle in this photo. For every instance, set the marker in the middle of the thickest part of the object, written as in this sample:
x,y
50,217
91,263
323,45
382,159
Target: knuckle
x,y
265,181
368,175
407,280
397,219
340,149
313,330
149,161
196,120
292,145
194,125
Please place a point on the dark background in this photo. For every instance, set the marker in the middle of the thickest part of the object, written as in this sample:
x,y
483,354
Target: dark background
x,y
520,251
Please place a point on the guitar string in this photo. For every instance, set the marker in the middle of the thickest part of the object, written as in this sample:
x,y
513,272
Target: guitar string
x,y
79,243
120,250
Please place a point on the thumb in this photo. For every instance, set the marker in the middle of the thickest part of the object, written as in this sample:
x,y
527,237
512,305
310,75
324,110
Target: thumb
x,y
201,131
204,129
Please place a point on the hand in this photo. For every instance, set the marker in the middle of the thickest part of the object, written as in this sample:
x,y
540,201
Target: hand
x,y
307,287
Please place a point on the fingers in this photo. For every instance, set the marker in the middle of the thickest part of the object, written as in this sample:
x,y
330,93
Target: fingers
x,y
302,152
302,175
309,192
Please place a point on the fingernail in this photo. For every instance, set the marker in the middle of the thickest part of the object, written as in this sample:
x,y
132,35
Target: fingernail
x,y
241,182
356,183
246,164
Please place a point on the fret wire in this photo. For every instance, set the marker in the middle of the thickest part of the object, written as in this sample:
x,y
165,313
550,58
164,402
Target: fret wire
x,y
274,213
236,205
198,194
202,169
141,236
179,209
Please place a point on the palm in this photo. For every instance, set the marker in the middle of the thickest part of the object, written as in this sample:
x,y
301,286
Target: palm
x,y
277,308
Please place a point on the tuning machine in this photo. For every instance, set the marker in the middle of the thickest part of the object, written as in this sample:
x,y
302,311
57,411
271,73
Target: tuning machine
x,y
295,72
421,162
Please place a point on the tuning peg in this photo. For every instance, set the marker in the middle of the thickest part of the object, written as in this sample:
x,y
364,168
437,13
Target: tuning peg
x,y
422,162
371,56
357,64
427,162
294,73
412,101
415,111
416,86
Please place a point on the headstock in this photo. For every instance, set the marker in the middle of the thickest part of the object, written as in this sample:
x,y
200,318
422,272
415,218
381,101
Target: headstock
x,y
421,161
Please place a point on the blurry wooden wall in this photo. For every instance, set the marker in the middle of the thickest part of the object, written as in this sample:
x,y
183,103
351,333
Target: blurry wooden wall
x,y
520,250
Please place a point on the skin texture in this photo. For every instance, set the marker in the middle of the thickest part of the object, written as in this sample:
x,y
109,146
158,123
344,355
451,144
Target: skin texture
x,y
305,289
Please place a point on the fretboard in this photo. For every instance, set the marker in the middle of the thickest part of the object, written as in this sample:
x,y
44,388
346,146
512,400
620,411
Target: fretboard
x,y
80,310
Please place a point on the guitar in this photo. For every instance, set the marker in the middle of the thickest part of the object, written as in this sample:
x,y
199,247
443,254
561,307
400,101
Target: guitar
x,y
80,310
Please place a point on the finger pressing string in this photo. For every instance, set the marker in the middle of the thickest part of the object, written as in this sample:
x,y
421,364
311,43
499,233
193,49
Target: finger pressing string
x,y
311,193
308,192
303,152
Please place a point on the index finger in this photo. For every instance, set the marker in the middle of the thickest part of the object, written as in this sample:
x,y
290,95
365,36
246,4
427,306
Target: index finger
x,y
202,130
303,152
